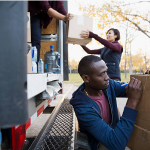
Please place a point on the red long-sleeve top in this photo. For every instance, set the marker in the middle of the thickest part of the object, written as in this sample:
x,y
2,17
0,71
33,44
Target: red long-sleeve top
x,y
114,46
41,7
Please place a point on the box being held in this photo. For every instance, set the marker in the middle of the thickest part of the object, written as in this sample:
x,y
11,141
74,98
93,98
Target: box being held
x,y
75,26
140,138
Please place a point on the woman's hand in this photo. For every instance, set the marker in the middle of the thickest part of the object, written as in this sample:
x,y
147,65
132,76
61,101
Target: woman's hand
x,y
68,17
53,13
84,34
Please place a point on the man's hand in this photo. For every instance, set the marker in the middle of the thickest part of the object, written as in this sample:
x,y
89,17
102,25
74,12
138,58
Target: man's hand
x,y
134,92
84,34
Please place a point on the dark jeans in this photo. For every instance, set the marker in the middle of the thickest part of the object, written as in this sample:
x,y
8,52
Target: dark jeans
x,y
36,34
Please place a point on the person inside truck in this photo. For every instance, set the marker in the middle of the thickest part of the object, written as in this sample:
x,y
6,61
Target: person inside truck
x,y
95,105
110,53
42,13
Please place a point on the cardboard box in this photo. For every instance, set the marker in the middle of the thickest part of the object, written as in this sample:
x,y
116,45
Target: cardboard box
x,y
28,27
51,28
29,59
74,28
140,138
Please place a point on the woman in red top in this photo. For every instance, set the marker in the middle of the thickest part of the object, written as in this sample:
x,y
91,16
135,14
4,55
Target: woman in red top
x,y
110,53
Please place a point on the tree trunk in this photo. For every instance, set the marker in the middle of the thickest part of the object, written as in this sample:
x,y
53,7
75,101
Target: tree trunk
x,y
130,67
125,65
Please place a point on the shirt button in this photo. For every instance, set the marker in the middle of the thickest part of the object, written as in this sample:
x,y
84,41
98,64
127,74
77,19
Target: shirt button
x,y
35,13
41,10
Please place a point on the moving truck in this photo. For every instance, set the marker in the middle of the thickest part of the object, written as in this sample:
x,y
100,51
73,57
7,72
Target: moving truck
x,y
25,95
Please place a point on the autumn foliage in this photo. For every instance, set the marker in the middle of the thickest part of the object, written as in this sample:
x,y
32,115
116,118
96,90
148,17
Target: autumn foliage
x,y
119,12
127,15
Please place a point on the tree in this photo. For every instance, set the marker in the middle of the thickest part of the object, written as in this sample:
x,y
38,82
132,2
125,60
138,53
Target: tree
x,y
138,61
122,63
128,16
73,65
120,12
130,36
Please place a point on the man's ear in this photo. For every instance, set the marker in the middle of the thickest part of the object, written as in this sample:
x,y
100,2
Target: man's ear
x,y
85,78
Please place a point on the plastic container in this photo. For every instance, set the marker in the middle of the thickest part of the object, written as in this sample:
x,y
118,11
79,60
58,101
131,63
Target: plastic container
x,y
34,53
40,66
57,62
52,61
34,67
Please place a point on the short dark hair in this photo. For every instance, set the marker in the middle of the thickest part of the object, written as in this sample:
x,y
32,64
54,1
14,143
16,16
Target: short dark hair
x,y
86,63
116,32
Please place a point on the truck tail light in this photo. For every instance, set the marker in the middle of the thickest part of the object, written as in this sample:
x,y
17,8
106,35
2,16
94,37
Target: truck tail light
x,y
18,137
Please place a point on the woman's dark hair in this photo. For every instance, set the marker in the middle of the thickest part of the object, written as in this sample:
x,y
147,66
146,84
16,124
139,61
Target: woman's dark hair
x,y
116,32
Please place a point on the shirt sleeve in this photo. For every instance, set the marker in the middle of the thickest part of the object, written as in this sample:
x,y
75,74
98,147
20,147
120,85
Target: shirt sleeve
x,y
95,51
119,90
115,46
61,8
113,138
44,5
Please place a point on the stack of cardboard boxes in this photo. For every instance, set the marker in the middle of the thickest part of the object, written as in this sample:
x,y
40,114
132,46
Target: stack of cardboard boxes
x,y
29,54
140,138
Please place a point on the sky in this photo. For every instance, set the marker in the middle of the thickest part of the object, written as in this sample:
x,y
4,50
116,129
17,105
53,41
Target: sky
x,y
76,52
